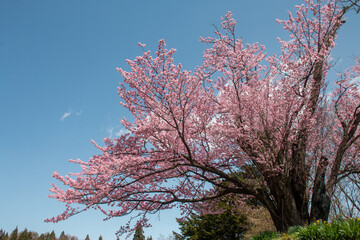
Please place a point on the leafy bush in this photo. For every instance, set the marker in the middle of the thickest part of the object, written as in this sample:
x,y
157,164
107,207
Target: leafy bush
x,y
339,229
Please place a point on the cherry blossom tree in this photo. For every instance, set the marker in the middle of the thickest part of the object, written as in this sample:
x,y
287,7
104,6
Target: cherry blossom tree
x,y
243,123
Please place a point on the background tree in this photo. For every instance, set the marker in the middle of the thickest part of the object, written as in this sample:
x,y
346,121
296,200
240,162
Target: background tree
x,y
87,237
52,236
41,237
14,234
229,222
25,235
63,236
265,128
48,236
100,237
139,233
34,235
3,235
226,225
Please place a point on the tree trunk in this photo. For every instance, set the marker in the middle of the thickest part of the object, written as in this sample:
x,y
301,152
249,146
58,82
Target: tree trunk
x,y
284,207
288,205
320,202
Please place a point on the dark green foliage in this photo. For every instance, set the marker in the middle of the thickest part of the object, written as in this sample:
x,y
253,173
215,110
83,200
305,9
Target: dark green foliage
x,y
139,233
100,237
339,229
63,236
149,238
266,235
50,236
47,236
25,235
178,236
29,235
224,226
14,234
3,235
87,237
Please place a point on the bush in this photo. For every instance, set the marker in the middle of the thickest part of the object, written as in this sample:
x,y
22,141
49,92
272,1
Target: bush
x,y
339,229
265,235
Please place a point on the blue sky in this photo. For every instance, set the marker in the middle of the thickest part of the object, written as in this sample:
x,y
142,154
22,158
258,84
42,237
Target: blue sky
x,y
58,87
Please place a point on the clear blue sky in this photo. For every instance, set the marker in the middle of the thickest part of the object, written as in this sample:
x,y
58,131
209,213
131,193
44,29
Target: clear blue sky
x,y
58,87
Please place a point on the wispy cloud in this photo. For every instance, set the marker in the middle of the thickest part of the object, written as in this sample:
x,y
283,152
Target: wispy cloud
x,y
357,82
65,115
116,131
121,131
69,113
110,131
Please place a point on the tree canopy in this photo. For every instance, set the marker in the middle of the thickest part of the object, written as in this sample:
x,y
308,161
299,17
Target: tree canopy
x,y
242,123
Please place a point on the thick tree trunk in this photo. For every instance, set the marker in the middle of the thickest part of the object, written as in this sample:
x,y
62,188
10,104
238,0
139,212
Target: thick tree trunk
x,y
292,199
289,203
286,214
285,208
320,202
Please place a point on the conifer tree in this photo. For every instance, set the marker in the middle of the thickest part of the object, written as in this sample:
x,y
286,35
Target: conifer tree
x,y
42,237
25,235
87,237
100,238
139,233
63,236
14,234
226,225
52,236
3,235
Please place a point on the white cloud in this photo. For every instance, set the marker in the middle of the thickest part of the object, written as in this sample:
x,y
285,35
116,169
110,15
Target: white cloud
x,y
116,131
356,81
121,131
69,113
110,132
65,115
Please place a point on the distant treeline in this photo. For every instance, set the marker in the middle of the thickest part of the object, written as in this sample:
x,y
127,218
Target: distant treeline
x,y
31,235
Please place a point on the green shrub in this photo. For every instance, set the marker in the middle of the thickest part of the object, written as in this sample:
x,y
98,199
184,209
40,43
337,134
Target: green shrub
x,y
265,235
340,229
337,230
